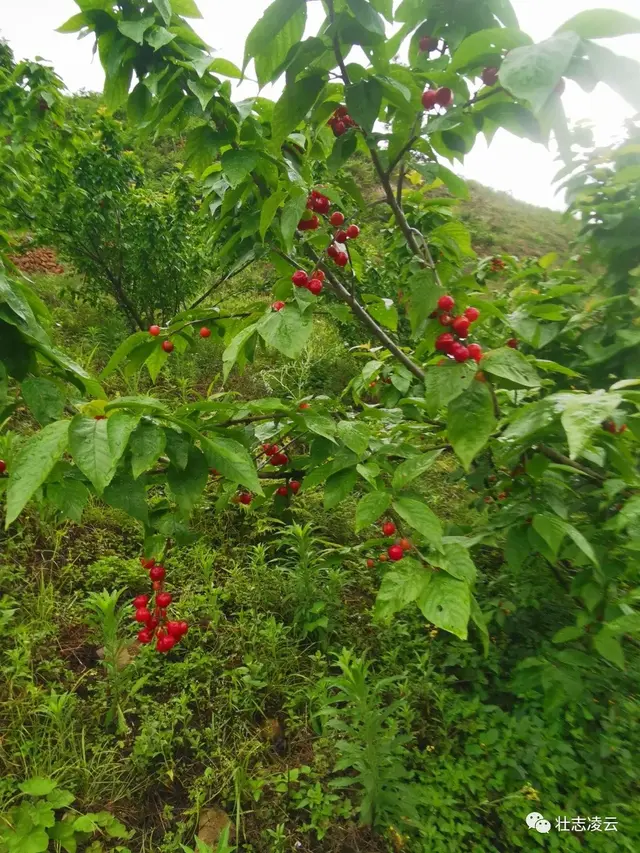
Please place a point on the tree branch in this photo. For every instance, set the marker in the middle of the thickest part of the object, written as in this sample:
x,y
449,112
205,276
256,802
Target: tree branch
x,y
561,459
227,277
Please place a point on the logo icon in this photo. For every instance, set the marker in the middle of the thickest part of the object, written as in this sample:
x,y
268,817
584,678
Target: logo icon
x,y
537,821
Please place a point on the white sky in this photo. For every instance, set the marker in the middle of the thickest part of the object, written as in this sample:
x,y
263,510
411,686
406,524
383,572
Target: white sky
x,y
516,166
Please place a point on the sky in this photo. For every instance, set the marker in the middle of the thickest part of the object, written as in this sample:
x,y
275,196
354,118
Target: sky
x,y
519,167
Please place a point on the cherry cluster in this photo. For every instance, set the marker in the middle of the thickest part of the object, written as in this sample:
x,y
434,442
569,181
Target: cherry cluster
x,y
394,552
497,265
341,121
166,631
611,427
449,343
276,457
313,283
168,346
442,97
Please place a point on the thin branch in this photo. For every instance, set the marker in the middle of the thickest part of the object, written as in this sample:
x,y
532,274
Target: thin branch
x,y
561,459
226,277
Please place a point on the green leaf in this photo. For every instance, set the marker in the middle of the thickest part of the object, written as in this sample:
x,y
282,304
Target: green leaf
x,y
454,183
201,148
553,530
293,105
234,352
44,398
503,10
225,68
382,310
164,7
320,424
421,518
269,209
413,467
583,415
291,214
370,508
126,348
129,495
478,48
203,89
454,235
354,435
446,602
609,647
601,24
406,583
471,422
287,330
178,445
69,497
364,100
423,294
33,464
233,461
529,420
237,163
188,484
444,382
619,72
479,620
74,24
457,562
38,786
338,486
567,634
532,73
135,30
98,445
512,365
278,30
186,8
367,16
147,445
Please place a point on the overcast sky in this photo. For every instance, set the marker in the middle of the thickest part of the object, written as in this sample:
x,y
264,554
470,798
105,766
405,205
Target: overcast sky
x,y
517,166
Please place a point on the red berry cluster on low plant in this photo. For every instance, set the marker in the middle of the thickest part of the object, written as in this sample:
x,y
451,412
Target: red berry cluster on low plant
x,y
157,625
450,343
167,345
497,265
276,457
442,97
394,552
341,121
292,488
314,284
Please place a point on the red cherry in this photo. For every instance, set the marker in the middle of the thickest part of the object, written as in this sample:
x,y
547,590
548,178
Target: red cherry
x,y
164,599
405,544
428,43
429,99
3,466
154,330
279,459
610,427
273,450
490,76
513,343
341,237
184,627
311,224
294,486
167,346
445,319
147,564
245,498
321,205
342,260
475,351
503,496
460,326
337,218
388,528
205,333
460,353
167,644
267,449
395,553
303,406
339,128
352,232
446,302
444,97
333,251
173,630
142,615
370,563
318,274
140,601
472,314
278,306
444,342
145,636
157,573
300,278
282,491
341,112
315,287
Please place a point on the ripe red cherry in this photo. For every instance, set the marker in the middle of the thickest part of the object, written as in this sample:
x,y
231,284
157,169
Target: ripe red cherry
x,y
333,251
245,498
173,630
475,351
267,449
395,553
315,287
444,97
428,43
184,627
303,406
167,346
388,528
205,333
337,218
282,491
3,466
164,599
140,601
339,128
445,319
444,342
610,427
142,615
460,326
472,314
370,563
352,232
300,278
318,274
429,99
342,260
145,636
278,306
341,237
460,353
446,302
405,544
165,644
503,496
154,330
294,486
513,343
279,459
490,76
157,573
147,564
